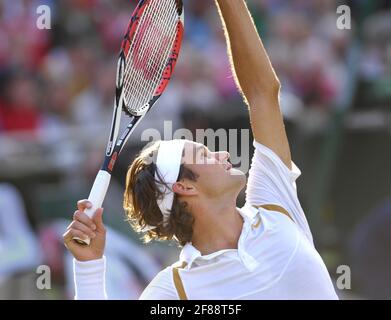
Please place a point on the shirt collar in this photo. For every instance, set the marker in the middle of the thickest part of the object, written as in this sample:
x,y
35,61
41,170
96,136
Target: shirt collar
x,y
248,212
189,253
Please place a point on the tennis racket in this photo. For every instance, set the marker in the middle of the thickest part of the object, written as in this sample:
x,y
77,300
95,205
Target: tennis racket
x,y
147,59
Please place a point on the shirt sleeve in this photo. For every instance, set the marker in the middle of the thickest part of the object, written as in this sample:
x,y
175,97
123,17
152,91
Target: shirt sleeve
x,y
161,287
270,181
90,279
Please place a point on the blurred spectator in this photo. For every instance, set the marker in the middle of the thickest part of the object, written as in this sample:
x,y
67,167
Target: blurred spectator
x,y
20,253
22,44
18,102
375,70
370,254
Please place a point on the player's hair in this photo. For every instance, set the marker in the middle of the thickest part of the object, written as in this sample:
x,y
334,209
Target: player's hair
x,y
140,200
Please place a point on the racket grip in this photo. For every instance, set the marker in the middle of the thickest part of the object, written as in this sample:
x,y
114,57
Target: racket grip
x,y
96,197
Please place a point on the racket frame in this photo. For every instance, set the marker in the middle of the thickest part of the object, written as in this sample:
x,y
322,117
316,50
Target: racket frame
x,y
115,144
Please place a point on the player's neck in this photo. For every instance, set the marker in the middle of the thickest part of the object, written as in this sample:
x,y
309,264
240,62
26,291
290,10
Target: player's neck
x,y
217,227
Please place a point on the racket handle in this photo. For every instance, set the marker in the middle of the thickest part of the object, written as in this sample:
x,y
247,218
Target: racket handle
x,y
96,197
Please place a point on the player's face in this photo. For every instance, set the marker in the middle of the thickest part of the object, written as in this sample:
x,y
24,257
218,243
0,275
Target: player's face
x,y
216,176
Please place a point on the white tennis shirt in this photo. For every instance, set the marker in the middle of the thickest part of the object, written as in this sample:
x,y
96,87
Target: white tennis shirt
x,y
275,258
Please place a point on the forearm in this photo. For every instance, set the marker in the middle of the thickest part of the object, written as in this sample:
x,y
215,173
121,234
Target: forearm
x,y
252,68
90,279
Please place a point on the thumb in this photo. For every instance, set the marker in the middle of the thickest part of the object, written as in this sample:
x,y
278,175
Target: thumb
x,y
98,219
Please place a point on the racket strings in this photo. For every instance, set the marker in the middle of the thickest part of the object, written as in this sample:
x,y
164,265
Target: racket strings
x,y
153,58
148,76
159,20
157,59
149,53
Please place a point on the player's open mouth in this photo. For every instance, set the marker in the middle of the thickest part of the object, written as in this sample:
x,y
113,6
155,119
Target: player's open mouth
x,y
228,166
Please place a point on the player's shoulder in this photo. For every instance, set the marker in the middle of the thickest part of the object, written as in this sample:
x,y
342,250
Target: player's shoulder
x,y
162,286
164,277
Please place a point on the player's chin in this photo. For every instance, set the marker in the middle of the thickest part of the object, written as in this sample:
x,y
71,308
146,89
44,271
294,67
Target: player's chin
x,y
237,176
236,173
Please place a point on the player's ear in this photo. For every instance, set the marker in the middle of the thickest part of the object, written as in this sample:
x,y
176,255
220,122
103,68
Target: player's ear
x,y
184,189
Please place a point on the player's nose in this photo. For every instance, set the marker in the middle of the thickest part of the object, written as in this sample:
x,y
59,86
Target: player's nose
x,y
222,155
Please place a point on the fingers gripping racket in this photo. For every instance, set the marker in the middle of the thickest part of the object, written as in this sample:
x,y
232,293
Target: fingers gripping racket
x,y
147,59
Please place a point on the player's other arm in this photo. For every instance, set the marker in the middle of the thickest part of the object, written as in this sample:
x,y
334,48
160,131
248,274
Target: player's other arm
x,y
255,77
89,263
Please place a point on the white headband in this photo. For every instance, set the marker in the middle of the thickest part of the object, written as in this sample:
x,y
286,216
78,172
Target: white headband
x,y
168,163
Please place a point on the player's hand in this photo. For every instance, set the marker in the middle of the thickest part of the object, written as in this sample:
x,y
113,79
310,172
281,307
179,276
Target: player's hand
x,y
83,227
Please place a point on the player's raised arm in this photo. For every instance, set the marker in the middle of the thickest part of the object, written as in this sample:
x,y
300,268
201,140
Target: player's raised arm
x,y
255,77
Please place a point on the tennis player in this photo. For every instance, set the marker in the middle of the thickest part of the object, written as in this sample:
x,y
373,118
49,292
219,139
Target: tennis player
x,y
181,190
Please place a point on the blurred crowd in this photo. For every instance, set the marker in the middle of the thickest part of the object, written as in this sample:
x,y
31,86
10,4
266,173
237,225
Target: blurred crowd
x,y
64,76
56,82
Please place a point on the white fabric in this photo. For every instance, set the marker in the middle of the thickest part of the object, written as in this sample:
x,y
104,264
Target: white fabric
x,y
90,279
168,164
275,259
271,182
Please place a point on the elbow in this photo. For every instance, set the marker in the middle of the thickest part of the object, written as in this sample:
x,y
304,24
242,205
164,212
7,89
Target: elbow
x,y
277,86
274,87
265,92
